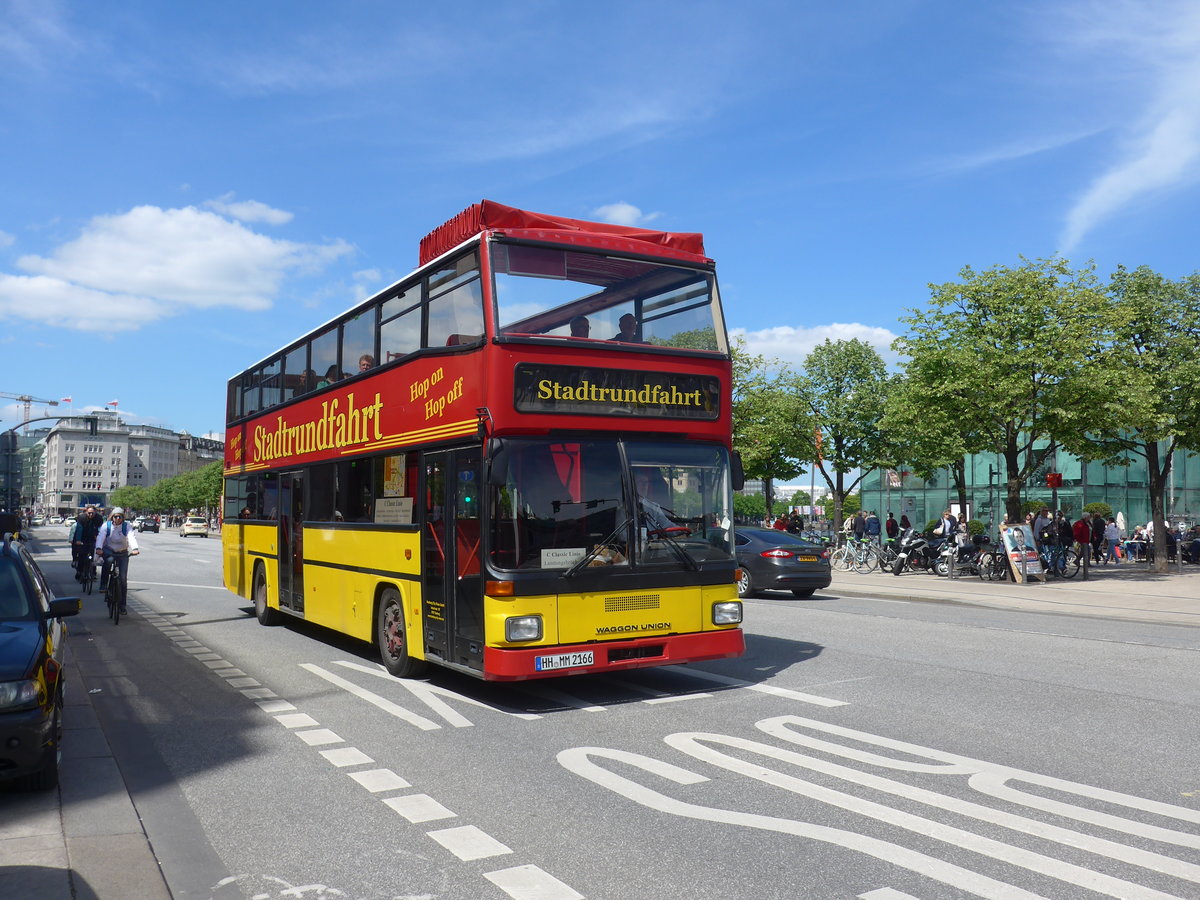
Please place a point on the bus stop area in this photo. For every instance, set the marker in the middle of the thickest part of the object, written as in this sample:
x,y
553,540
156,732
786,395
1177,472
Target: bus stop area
x,y
1132,591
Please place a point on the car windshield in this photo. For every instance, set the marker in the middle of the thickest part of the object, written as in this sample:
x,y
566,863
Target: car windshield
x,y
610,503
14,598
607,300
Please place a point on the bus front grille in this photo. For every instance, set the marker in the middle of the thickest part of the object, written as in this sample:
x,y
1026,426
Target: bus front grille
x,y
636,601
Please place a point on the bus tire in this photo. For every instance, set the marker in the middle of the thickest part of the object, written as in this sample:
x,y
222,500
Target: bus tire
x,y
262,610
392,638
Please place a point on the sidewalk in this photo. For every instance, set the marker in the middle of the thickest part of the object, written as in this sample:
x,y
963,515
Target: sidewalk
x,y
1131,591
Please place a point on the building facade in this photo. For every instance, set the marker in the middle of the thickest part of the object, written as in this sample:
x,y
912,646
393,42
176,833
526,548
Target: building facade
x,y
79,467
1124,488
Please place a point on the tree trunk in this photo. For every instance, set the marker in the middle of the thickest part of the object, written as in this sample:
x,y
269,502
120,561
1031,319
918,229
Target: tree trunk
x,y
959,473
1157,485
1012,484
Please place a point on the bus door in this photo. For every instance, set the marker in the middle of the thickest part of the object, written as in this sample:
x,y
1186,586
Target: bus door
x,y
453,590
291,543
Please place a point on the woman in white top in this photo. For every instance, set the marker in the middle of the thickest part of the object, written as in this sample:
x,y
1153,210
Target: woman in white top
x,y
116,541
1112,536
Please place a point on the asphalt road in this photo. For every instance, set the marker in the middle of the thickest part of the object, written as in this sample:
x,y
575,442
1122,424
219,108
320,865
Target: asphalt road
x,y
861,749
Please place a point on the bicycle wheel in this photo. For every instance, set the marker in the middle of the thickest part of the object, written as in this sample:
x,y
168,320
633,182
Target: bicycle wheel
x,y
887,558
89,578
1070,563
111,593
866,560
842,559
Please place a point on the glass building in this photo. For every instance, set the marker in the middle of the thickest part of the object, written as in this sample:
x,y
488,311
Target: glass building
x,y
1124,488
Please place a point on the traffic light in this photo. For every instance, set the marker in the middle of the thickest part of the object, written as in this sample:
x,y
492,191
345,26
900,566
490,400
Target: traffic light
x,y
1054,479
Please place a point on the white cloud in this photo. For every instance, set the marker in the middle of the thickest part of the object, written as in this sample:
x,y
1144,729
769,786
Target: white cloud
x,y
149,262
1161,145
248,210
53,301
33,34
623,213
6,239
791,345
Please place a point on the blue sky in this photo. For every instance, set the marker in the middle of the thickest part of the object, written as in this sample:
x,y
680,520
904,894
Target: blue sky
x,y
187,187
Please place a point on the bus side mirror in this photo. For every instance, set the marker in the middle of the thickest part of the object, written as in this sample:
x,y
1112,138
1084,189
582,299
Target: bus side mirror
x,y
736,473
498,470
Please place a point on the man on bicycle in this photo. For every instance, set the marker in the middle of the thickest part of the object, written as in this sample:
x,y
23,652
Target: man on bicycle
x,y
116,542
84,538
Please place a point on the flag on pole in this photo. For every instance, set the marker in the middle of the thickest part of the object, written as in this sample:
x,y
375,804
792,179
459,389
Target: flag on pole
x,y
111,403
66,400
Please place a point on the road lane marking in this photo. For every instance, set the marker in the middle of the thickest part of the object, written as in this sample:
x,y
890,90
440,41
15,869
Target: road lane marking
x,y
383,703
419,808
531,883
468,842
767,689
346,756
377,780
297,720
318,736
275,706
886,894
582,761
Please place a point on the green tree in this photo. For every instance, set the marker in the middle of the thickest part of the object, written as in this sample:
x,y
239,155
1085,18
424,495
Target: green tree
x,y
765,410
843,393
1007,353
750,506
1154,406
130,497
801,498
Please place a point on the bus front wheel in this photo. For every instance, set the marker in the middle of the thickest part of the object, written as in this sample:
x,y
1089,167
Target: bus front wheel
x,y
393,639
262,610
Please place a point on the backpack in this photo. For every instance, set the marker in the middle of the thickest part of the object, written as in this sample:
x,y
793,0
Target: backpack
x,y
108,529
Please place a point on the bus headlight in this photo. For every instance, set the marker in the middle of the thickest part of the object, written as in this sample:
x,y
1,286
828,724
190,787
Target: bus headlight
x,y
729,613
524,628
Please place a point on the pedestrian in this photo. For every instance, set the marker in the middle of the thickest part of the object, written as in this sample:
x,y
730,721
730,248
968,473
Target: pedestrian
x,y
891,527
780,524
904,523
872,527
1082,532
860,526
947,526
1041,527
1097,539
1112,534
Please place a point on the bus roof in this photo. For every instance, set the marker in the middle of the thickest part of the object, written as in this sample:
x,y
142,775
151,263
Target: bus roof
x,y
487,215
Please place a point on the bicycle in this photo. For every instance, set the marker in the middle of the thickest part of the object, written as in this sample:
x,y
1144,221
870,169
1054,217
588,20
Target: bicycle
x,y
87,572
116,592
861,556
1060,561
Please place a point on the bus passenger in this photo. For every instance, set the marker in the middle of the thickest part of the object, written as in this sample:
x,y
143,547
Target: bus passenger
x,y
366,362
580,327
331,375
629,330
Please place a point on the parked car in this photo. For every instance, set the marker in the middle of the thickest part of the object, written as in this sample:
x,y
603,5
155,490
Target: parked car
x,y
147,523
32,644
194,525
775,560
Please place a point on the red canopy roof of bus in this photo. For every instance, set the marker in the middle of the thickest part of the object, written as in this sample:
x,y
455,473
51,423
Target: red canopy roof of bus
x,y
488,215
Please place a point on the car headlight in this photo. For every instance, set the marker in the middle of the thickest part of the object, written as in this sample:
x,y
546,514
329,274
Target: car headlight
x,y
523,628
727,613
18,694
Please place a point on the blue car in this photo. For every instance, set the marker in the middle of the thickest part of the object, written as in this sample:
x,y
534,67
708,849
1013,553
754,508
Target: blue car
x,y
32,644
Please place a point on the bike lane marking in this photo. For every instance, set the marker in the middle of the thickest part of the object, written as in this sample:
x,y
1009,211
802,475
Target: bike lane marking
x,y
468,842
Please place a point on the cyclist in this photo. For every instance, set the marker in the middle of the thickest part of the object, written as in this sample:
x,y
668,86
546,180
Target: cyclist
x,y
84,538
116,542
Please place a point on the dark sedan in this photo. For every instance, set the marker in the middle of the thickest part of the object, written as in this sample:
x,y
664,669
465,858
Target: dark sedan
x,y
32,641
775,560
147,523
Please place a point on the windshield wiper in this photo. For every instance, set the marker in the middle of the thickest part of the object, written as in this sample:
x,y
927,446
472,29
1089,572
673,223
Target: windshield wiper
x,y
591,554
675,546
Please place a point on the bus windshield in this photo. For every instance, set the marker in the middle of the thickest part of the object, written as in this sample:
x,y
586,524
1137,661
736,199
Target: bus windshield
x,y
611,503
542,291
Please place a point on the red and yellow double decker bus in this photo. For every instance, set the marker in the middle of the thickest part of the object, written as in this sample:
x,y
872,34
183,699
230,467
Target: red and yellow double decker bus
x,y
514,462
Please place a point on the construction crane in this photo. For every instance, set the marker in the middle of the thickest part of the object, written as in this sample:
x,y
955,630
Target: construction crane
x,y
27,400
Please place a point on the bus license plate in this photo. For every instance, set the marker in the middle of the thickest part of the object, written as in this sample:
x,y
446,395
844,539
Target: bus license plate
x,y
563,661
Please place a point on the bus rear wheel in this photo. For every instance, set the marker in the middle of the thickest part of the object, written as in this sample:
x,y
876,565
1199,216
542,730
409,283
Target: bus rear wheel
x,y
393,639
262,610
